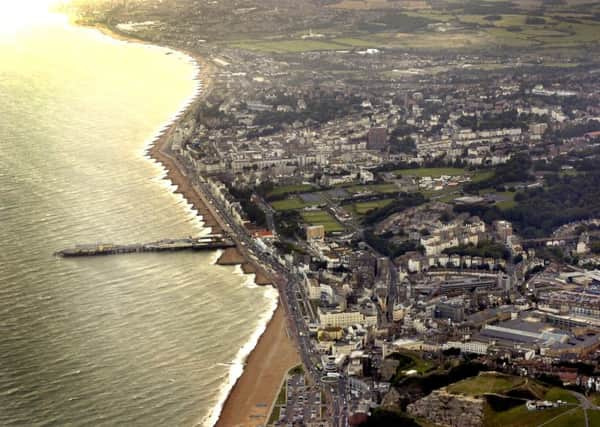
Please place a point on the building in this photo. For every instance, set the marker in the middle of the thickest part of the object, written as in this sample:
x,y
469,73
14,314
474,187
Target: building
x,y
363,266
344,319
313,289
315,233
377,139
455,312
474,347
583,245
533,331
503,229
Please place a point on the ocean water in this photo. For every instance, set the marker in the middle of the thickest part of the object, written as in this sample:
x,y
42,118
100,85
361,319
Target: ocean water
x,y
149,339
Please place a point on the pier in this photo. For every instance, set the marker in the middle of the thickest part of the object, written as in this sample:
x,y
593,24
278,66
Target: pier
x,y
205,243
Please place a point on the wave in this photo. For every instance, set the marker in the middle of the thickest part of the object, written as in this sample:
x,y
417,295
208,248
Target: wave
x,y
193,215
237,365
216,256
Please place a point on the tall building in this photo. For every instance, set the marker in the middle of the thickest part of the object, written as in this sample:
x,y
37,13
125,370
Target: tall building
x,y
377,139
363,266
583,245
454,312
504,230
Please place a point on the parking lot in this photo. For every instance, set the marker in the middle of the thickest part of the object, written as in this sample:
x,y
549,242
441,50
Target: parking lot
x,y
302,406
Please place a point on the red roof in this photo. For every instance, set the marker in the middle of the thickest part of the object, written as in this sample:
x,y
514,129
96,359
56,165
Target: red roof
x,y
358,419
263,233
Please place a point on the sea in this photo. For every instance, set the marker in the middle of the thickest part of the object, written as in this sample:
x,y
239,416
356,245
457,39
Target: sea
x,y
135,340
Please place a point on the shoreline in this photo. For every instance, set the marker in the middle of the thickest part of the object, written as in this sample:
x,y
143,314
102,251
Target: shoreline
x,y
249,402
273,351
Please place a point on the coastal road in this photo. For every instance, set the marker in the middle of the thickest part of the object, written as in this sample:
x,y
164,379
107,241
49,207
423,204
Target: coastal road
x,y
286,282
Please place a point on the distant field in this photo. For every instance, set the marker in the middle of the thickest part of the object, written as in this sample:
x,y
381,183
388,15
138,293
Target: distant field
x,y
419,364
468,29
477,386
508,202
519,416
376,188
594,418
453,25
299,45
504,199
363,208
435,41
476,176
557,393
289,204
379,4
482,175
322,218
570,415
353,42
288,46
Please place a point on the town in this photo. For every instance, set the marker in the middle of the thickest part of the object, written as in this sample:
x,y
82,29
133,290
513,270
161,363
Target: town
x,y
434,213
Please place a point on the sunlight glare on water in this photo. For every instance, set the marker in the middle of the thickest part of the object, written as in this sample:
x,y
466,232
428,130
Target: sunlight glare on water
x,y
133,340
16,15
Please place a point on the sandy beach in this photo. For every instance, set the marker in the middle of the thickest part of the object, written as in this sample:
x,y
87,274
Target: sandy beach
x,y
184,187
250,399
275,353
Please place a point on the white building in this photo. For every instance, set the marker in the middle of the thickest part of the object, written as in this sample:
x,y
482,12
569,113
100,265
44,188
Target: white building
x,y
475,347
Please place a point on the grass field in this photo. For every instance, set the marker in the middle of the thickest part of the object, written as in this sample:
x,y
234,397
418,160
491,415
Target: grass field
x,y
354,42
479,385
569,415
322,218
287,46
481,175
514,30
362,208
300,45
519,416
508,202
461,26
413,361
571,419
510,30
476,176
594,418
289,204
281,397
505,199
376,188
379,4
274,415
556,393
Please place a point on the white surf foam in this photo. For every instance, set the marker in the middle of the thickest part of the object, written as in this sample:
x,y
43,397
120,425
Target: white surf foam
x,y
216,256
237,366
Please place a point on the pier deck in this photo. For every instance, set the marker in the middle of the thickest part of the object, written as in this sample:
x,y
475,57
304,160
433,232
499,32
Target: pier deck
x,y
205,243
